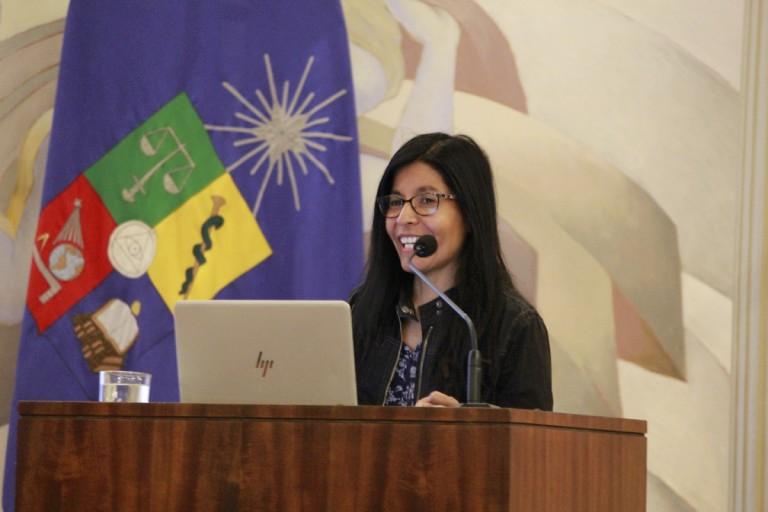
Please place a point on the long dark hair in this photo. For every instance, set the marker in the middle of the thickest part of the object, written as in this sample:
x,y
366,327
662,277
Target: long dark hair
x,y
482,282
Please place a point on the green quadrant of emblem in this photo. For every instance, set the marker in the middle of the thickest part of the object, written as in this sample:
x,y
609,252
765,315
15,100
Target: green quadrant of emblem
x,y
148,174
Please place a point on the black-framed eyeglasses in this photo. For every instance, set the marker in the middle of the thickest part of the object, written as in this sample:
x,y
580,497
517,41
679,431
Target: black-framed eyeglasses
x,y
423,204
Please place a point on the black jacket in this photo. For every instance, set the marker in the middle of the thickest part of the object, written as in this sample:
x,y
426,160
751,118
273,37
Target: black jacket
x,y
520,374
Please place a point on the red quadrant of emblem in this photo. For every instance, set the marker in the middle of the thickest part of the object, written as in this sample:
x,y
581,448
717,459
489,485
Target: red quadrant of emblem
x,y
69,257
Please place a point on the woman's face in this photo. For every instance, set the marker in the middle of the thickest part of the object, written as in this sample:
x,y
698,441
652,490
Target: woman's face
x,y
446,225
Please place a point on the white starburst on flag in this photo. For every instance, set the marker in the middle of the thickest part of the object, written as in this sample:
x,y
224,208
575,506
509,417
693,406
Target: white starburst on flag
x,y
282,131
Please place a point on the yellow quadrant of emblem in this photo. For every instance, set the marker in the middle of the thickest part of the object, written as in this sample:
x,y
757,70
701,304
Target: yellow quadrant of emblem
x,y
237,244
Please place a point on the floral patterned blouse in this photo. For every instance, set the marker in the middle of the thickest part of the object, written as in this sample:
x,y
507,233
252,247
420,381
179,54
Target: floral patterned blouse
x,y
402,390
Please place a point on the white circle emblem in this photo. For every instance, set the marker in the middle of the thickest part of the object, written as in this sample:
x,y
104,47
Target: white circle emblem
x,y
132,248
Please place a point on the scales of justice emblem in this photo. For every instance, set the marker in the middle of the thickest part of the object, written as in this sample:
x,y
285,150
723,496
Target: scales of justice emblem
x,y
150,144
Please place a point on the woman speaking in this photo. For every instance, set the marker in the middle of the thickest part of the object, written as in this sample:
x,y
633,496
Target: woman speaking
x,y
410,346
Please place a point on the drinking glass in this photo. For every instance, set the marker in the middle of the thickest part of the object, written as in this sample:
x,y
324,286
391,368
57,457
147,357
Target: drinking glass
x,y
124,386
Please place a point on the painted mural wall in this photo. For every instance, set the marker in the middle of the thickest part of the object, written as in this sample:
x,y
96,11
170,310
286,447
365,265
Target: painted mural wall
x,y
613,129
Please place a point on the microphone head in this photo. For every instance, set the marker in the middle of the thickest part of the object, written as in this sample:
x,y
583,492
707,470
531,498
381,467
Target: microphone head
x,y
425,246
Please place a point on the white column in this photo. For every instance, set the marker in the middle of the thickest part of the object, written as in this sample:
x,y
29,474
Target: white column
x,y
749,436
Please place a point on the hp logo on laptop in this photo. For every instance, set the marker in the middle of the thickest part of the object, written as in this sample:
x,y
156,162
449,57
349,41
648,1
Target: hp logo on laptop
x,y
264,364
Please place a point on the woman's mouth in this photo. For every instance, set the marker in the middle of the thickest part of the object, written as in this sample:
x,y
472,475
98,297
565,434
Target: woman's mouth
x,y
407,241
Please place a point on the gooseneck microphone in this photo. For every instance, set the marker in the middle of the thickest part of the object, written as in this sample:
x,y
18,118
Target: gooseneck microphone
x,y
426,246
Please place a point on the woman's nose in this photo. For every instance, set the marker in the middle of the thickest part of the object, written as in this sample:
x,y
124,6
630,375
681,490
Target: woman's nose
x,y
407,215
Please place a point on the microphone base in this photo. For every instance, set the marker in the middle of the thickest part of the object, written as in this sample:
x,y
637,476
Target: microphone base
x,y
480,404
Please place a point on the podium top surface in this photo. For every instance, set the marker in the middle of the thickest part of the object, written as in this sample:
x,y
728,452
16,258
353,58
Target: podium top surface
x,y
30,409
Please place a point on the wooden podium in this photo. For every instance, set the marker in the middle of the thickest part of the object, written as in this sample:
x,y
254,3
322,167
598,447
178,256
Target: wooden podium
x,y
168,457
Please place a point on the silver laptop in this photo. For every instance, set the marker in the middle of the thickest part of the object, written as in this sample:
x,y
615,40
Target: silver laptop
x,y
265,352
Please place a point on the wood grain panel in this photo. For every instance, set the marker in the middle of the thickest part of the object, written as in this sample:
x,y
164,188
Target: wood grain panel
x,y
78,456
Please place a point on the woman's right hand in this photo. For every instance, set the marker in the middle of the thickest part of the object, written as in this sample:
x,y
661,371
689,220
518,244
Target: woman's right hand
x,y
438,399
